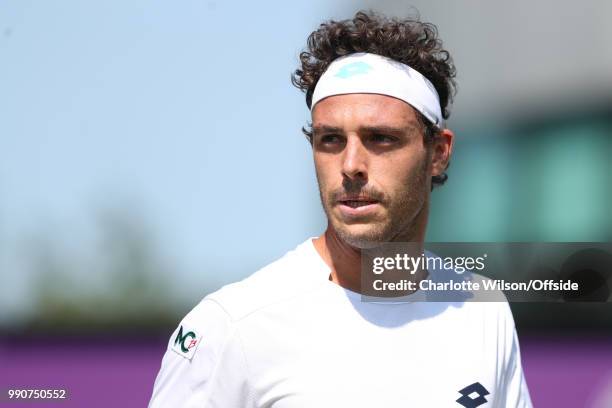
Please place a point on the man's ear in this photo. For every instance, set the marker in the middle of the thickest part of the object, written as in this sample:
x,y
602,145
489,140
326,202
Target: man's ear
x,y
442,149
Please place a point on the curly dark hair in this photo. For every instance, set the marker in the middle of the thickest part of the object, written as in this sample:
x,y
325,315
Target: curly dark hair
x,y
410,41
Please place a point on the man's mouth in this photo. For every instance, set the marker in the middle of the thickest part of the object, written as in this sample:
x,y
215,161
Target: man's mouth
x,y
358,206
356,203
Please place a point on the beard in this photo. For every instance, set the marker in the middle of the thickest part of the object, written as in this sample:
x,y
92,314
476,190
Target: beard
x,y
398,222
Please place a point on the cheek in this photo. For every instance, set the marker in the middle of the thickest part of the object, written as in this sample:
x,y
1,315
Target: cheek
x,y
397,174
325,170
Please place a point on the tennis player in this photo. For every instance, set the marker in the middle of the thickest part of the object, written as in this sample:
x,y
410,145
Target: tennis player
x,y
298,333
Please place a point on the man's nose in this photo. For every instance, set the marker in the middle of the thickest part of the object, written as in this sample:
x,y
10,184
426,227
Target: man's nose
x,y
354,159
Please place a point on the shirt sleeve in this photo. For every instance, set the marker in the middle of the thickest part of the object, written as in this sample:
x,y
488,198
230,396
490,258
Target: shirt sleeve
x,y
514,387
204,363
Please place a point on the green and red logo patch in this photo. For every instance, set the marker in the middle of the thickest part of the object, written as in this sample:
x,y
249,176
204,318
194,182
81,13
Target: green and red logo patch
x,y
186,342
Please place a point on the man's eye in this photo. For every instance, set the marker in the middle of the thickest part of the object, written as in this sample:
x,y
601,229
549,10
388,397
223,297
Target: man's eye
x,y
379,138
329,139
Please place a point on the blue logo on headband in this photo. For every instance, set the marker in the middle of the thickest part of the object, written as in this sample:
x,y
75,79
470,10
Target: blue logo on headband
x,y
354,68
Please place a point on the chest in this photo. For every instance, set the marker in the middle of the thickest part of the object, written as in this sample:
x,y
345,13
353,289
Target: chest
x,y
328,361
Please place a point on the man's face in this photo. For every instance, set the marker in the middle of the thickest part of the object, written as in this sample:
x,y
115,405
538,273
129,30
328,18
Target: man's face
x,y
373,167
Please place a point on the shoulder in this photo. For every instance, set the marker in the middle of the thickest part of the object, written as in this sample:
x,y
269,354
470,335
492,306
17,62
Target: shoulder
x,y
217,313
204,362
290,276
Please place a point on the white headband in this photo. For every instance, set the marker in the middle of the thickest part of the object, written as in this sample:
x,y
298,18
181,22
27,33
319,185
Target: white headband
x,y
371,73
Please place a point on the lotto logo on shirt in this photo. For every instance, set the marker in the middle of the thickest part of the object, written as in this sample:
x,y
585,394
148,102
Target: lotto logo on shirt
x,y
473,395
186,342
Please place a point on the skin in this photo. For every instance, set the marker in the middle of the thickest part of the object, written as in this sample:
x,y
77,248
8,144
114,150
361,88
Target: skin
x,y
374,172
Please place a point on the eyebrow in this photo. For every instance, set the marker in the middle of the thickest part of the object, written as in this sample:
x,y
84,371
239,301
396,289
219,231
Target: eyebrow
x,y
413,126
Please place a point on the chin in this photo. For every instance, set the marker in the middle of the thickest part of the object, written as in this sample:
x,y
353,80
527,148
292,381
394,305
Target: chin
x,y
361,236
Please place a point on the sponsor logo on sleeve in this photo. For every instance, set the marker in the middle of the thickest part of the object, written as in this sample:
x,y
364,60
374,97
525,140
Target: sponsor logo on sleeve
x,y
186,342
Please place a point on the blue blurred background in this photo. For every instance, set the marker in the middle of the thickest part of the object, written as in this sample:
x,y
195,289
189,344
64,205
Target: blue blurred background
x,y
151,152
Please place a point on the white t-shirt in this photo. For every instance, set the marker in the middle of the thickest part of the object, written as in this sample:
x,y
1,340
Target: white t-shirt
x,y
288,337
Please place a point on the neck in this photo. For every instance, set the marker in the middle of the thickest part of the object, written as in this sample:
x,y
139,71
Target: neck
x,y
344,260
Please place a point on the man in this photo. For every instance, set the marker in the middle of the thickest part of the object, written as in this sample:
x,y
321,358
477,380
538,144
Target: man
x,y
297,333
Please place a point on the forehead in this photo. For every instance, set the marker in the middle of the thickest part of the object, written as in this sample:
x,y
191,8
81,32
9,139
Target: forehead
x,y
365,109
